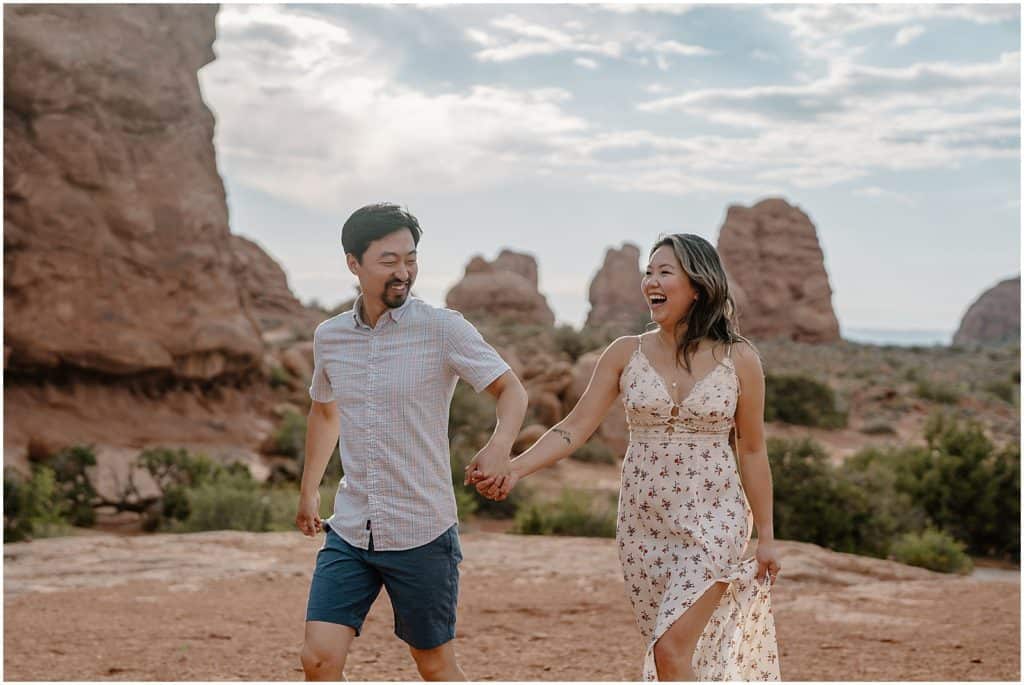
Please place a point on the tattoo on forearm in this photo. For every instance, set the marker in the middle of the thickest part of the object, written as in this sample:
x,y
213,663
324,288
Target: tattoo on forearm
x,y
564,434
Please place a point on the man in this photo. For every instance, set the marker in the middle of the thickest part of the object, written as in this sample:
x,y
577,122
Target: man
x,y
384,374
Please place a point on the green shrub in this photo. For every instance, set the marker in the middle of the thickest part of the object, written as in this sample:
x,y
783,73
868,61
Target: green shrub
x,y
810,502
942,393
879,510
878,428
595,451
32,506
934,550
471,416
575,513
278,377
969,488
74,489
1004,390
229,502
290,437
801,401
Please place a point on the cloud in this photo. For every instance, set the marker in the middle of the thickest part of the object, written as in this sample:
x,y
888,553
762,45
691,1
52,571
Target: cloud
x,y
907,34
327,117
585,62
632,8
520,38
874,192
849,88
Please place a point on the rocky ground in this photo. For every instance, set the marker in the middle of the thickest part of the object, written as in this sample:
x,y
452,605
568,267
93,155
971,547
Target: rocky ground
x,y
228,605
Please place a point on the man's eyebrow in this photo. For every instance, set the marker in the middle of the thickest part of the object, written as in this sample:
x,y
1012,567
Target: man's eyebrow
x,y
395,254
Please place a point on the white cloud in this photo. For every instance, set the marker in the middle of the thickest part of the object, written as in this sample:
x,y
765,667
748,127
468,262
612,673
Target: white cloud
x,y
657,89
327,117
874,192
585,62
907,34
521,39
631,8
671,47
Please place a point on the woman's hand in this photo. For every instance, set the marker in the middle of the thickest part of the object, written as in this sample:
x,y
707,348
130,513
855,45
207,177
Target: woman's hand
x,y
768,561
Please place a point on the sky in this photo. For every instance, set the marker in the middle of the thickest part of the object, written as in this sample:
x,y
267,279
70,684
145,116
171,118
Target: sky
x,y
563,130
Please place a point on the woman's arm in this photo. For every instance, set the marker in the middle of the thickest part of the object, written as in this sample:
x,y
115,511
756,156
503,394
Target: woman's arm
x,y
752,453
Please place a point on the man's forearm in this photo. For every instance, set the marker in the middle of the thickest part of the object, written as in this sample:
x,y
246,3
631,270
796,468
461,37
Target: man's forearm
x,y
321,437
510,409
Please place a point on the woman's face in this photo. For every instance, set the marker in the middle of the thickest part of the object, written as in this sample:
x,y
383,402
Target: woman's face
x,y
667,288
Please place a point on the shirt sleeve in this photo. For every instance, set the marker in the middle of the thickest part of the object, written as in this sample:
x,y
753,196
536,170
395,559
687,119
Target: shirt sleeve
x,y
469,355
320,389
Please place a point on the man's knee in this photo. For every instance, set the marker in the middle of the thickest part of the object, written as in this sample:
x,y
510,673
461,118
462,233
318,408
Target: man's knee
x,y
436,664
325,650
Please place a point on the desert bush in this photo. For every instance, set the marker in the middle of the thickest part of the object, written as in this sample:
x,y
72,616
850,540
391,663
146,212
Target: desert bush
x,y
802,401
278,377
811,503
878,428
934,550
595,451
290,436
969,488
576,513
1004,390
32,505
934,391
230,501
471,416
74,489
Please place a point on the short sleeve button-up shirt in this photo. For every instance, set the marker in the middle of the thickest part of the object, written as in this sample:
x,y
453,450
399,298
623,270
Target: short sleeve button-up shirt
x,y
393,385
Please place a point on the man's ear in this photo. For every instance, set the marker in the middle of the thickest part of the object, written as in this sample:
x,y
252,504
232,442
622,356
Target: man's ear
x,y
353,264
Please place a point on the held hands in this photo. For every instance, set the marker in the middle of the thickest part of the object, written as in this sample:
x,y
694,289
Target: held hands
x,y
491,473
308,518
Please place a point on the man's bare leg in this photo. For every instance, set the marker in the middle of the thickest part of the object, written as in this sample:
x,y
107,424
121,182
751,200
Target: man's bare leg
x,y
325,650
438,663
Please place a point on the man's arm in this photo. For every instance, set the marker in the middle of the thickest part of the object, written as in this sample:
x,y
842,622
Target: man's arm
x,y
321,436
493,459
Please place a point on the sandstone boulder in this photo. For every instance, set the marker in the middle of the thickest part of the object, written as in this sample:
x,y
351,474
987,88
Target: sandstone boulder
x,y
505,289
615,296
777,270
994,318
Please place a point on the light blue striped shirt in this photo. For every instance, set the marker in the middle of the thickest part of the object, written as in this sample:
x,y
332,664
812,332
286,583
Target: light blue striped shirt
x,y
393,385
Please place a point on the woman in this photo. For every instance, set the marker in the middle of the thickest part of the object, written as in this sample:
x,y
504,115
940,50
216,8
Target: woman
x,y
684,519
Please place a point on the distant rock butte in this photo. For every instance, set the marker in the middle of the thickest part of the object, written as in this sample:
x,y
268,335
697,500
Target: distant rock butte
x,y
994,318
615,295
505,289
777,273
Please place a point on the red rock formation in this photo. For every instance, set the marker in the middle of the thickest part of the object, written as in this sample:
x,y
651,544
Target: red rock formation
x,y
994,318
265,292
505,289
777,270
118,257
615,296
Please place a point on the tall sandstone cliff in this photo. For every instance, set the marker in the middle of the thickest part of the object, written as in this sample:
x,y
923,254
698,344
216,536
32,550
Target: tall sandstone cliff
x,y
118,258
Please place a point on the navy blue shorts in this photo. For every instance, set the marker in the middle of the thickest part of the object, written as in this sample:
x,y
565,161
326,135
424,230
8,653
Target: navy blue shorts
x,y
422,583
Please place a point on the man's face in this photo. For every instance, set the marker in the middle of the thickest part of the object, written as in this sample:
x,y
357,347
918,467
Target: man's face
x,y
388,269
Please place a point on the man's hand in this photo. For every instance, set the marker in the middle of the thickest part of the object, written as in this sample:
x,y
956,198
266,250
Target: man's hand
x,y
308,518
489,488
488,462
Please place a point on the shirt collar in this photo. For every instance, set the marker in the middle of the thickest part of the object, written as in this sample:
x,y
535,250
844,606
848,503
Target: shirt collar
x,y
396,314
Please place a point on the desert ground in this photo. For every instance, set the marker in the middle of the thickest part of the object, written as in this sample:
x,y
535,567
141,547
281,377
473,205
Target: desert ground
x,y
230,606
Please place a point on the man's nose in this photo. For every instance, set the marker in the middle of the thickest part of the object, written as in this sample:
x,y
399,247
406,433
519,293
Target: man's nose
x,y
403,273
